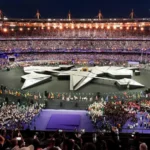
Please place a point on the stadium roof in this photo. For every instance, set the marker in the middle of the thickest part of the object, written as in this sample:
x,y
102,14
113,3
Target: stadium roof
x,y
88,20
76,23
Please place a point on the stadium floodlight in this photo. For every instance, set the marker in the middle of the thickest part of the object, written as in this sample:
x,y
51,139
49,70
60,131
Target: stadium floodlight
x,y
85,26
102,27
121,28
90,26
5,30
20,29
60,27
142,29
108,27
114,27
78,26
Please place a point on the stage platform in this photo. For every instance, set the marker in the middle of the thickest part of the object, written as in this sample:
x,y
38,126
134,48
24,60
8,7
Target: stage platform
x,y
12,80
80,76
68,120
65,122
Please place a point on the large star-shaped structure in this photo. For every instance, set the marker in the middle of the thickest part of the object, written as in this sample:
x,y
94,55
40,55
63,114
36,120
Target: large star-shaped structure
x,y
120,76
33,79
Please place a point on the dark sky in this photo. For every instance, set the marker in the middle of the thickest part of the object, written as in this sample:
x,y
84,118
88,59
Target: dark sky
x,y
78,8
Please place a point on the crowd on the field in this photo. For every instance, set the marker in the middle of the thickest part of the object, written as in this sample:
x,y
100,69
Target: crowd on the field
x,y
17,114
13,116
18,46
118,113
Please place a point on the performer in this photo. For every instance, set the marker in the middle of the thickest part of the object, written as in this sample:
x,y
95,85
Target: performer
x,y
38,14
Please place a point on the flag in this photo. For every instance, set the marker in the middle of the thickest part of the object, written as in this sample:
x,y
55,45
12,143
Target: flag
x,y
96,98
18,94
63,97
52,96
58,96
49,95
9,92
115,97
102,99
139,96
40,95
106,99
35,97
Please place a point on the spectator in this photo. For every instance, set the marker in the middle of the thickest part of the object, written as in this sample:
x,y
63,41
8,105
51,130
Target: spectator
x,y
89,146
143,146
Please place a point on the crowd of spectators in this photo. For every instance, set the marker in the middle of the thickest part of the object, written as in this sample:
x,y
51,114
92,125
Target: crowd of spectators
x,y
19,46
4,63
74,58
78,33
82,57
16,140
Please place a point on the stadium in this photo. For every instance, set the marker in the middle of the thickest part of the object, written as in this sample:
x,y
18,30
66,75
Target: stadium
x,y
86,78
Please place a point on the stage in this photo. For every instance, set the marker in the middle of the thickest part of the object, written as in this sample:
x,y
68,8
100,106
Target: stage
x,y
12,80
80,76
69,120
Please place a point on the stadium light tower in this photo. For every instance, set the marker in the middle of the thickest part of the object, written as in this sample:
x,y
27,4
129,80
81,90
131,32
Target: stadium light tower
x,y
100,16
38,14
132,14
69,15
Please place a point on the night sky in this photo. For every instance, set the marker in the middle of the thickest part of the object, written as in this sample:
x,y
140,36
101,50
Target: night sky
x,y
78,8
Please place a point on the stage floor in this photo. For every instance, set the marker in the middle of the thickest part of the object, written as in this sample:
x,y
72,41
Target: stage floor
x,y
69,120
12,79
82,120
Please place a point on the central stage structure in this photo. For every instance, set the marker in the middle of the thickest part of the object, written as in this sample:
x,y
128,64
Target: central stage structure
x,y
80,76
